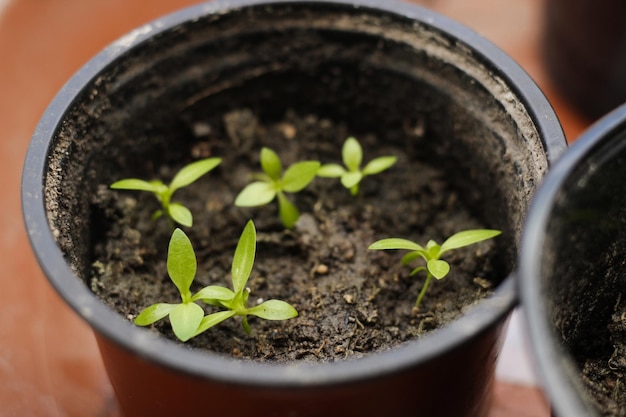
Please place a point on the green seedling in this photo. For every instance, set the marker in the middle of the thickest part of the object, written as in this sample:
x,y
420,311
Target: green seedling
x,y
351,175
272,183
187,318
175,212
431,254
236,300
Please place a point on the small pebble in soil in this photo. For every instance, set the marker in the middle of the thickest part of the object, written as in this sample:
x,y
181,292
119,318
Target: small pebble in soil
x,y
482,283
321,269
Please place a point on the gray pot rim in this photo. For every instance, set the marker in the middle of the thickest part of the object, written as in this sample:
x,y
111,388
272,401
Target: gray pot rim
x,y
479,318
548,355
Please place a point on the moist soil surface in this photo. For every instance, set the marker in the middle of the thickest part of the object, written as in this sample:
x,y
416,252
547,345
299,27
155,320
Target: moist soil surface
x,y
605,376
351,300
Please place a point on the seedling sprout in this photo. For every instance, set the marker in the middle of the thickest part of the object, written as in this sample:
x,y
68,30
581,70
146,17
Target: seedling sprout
x,y
431,254
272,183
175,212
187,318
351,175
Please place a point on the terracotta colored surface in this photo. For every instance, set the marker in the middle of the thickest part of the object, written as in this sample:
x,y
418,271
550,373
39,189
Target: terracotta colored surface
x,y
52,368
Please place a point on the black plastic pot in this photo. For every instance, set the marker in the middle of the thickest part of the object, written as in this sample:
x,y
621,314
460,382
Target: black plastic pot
x,y
400,71
584,48
572,269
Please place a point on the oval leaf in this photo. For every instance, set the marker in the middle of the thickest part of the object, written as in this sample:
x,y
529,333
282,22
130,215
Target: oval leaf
x,y
181,263
213,292
395,243
138,185
153,313
256,194
433,250
467,237
243,259
157,215
352,154
185,320
331,171
180,214
299,175
288,213
273,310
379,165
351,179
431,243
410,257
192,172
213,319
438,268
270,163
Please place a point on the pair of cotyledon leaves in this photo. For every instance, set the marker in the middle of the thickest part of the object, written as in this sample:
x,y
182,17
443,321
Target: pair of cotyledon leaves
x,y
433,251
431,254
177,212
273,183
351,175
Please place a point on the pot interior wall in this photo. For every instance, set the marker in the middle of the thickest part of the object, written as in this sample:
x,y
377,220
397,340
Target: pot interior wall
x,y
584,268
406,82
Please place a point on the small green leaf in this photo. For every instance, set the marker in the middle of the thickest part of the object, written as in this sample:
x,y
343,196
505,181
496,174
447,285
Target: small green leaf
x,y
299,175
273,310
351,179
331,171
180,214
156,215
213,319
243,259
395,243
213,292
138,185
433,251
270,163
352,154
287,212
190,173
185,320
410,257
159,185
153,313
438,268
378,165
467,237
256,194
181,263
245,295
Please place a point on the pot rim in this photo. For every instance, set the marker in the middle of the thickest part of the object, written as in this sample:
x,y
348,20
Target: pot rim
x,y
548,354
480,318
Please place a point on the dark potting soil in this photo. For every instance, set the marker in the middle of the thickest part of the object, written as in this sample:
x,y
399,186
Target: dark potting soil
x,y
350,300
605,376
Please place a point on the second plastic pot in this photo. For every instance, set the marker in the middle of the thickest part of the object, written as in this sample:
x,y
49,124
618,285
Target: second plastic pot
x,y
573,270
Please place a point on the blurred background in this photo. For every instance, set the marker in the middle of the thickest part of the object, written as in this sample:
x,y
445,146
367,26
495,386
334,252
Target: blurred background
x,y
49,363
